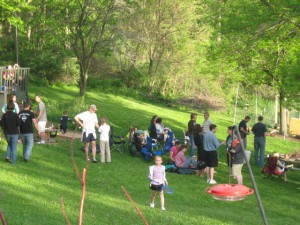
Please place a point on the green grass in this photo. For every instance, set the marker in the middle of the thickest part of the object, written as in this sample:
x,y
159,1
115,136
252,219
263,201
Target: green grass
x,y
30,193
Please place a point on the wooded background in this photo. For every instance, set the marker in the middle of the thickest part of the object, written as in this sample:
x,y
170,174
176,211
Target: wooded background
x,y
196,52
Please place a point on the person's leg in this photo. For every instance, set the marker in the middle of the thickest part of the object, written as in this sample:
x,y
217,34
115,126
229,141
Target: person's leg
x,y
192,150
107,149
245,142
207,174
42,126
102,151
24,142
188,163
256,149
262,151
86,149
94,149
8,149
162,200
29,144
211,173
14,146
153,198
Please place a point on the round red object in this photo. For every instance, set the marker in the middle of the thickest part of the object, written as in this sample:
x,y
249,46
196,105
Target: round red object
x,y
230,192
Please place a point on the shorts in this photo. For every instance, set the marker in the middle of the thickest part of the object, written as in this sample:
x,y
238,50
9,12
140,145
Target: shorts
x,y
42,126
211,158
155,187
237,169
88,139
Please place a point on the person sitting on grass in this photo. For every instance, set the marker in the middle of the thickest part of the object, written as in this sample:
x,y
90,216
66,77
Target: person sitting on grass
x,y
173,152
140,145
160,129
157,175
280,167
182,161
132,138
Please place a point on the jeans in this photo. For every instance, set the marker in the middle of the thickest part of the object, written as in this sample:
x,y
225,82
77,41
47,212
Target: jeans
x,y
27,140
192,151
259,149
188,162
12,147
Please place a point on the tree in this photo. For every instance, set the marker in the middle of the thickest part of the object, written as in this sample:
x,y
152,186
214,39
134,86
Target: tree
x,y
259,46
90,25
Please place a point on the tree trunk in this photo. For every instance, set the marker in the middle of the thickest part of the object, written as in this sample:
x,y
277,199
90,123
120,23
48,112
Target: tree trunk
x,y
83,80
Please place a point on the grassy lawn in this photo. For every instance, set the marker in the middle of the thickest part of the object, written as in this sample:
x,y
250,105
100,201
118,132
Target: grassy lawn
x,y
30,193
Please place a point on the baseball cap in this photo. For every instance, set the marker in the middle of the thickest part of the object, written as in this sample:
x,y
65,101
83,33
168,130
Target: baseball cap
x,y
140,132
93,107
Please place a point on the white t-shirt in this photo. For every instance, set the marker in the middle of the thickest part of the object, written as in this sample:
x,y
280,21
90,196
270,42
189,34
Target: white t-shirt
x,y
89,121
206,124
104,132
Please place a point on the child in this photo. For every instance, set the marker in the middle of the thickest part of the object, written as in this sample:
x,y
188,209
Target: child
x,y
104,141
157,175
64,122
174,151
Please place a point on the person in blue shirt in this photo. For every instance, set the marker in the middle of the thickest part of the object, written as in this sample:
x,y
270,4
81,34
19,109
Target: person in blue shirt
x,y
210,145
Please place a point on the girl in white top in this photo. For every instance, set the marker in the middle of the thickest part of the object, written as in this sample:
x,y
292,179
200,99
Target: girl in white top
x,y
104,130
157,175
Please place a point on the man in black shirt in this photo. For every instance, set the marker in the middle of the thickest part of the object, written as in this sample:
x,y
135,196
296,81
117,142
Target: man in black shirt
x,y
243,129
259,129
26,130
10,123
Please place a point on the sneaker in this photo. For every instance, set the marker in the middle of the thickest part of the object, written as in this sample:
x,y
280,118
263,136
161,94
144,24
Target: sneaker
x,y
41,142
7,159
163,209
152,205
87,159
212,182
94,160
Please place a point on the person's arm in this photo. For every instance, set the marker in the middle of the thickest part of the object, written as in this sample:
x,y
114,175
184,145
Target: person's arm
x,y
4,108
35,124
265,129
76,118
171,156
17,108
40,114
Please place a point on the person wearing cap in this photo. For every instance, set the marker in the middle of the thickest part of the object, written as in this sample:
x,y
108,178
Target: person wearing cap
x,y
41,118
88,121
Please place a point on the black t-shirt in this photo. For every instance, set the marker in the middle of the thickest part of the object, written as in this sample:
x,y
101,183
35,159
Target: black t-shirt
x,y
64,121
26,117
243,124
259,129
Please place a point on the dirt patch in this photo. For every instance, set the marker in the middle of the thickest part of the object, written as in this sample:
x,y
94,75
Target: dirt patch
x,y
202,102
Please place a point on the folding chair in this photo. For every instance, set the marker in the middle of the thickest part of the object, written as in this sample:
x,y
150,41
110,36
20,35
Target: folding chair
x,y
271,168
116,142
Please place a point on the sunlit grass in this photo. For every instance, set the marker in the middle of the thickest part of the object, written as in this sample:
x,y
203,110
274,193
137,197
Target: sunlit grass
x,y
30,193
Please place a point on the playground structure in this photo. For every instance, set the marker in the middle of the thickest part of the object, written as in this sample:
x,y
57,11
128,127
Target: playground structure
x,y
14,80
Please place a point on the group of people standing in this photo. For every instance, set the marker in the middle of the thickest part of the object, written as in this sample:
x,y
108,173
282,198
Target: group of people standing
x,y
206,142
17,123
88,121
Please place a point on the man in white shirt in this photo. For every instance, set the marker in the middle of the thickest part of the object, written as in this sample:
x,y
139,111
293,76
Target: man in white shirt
x,y
88,121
